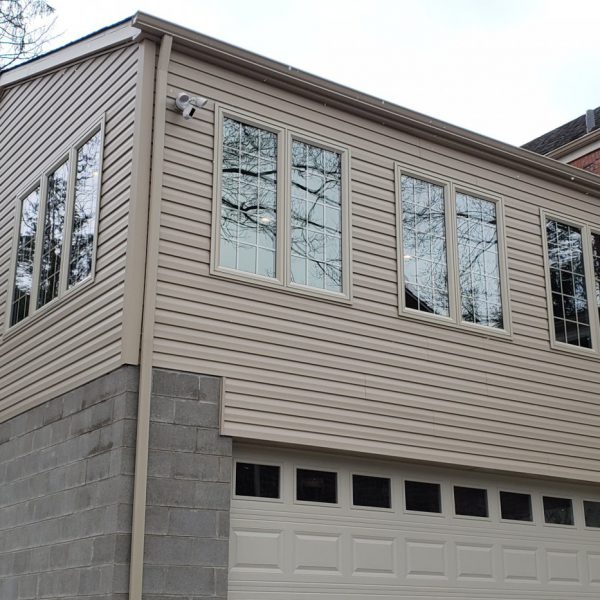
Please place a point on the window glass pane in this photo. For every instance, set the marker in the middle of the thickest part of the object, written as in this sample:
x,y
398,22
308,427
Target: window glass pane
x,y
256,480
248,198
316,217
558,510
596,257
592,513
85,210
471,502
424,246
316,486
515,507
25,254
54,230
371,491
424,497
567,282
478,261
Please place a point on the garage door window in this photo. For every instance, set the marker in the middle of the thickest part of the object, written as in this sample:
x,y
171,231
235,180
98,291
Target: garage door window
x,y
316,486
259,481
558,511
515,506
592,513
371,491
470,502
423,497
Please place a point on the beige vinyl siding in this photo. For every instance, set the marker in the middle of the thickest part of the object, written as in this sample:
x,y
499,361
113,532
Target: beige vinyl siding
x,y
78,337
360,377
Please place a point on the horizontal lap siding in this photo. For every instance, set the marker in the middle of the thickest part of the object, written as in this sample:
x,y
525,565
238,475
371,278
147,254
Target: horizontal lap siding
x,y
360,377
80,337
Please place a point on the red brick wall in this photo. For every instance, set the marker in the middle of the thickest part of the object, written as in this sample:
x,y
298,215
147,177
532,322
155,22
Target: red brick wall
x,y
589,162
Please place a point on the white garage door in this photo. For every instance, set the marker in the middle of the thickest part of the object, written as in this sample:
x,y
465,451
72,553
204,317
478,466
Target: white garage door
x,y
316,526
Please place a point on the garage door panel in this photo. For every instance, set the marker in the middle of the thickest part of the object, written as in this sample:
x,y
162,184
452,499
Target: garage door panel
x,y
374,556
282,549
593,564
256,550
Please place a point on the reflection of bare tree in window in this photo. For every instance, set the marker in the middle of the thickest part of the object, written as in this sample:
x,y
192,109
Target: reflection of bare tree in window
x,y
596,259
567,282
316,217
25,255
249,198
424,246
52,243
478,261
84,210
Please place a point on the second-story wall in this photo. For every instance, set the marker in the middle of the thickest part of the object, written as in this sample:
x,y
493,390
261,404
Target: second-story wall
x,y
358,376
76,337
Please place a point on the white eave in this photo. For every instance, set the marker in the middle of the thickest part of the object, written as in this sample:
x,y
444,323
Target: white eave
x,y
103,40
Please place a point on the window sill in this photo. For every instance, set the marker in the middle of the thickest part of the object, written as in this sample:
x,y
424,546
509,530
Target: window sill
x,y
479,330
277,285
11,331
574,350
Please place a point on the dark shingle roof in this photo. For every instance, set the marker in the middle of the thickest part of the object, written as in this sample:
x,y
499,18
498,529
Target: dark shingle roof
x,y
561,135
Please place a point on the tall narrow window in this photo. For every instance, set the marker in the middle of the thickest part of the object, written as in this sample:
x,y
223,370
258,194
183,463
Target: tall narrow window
x,y
478,261
249,199
53,238
57,228
596,258
85,206
25,255
568,285
424,246
316,217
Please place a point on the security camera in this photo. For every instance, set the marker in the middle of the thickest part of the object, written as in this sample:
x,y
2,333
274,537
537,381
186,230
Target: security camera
x,y
187,104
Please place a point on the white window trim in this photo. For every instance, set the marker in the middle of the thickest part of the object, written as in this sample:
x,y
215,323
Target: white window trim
x,y
341,484
588,269
285,136
68,152
393,496
451,188
260,462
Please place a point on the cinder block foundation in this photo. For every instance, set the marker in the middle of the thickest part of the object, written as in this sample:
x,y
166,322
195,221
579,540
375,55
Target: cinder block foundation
x,y
66,492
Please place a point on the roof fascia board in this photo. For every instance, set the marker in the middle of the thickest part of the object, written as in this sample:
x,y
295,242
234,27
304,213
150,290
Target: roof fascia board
x,y
371,107
577,147
73,52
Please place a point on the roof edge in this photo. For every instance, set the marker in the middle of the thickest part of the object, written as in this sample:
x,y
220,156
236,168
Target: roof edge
x,y
372,107
574,145
108,37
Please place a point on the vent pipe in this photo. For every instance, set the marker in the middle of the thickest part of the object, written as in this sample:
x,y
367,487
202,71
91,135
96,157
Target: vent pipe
x,y
590,120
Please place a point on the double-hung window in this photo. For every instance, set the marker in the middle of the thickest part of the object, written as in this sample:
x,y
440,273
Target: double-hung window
x,y
451,255
573,282
281,210
57,224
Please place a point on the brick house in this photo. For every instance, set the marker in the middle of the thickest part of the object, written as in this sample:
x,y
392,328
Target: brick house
x,y
576,142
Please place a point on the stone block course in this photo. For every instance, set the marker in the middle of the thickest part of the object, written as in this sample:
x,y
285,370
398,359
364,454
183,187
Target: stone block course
x,y
66,495
67,467
189,490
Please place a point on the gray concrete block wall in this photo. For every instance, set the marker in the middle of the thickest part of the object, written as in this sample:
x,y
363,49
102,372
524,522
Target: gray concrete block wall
x,y
66,485
189,490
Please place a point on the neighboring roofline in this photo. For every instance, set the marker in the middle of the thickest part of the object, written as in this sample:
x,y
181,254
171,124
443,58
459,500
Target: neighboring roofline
x,y
368,106
98,41
574,145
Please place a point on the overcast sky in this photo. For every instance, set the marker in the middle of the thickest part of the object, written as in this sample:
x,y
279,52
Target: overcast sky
x,y
509,69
